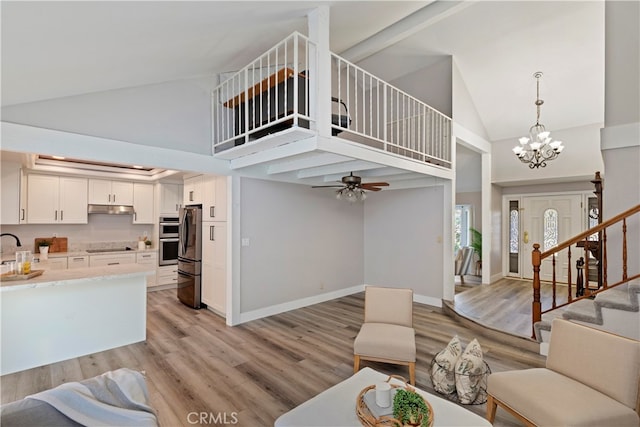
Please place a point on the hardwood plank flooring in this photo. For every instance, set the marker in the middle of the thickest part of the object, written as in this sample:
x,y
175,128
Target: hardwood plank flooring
x,y
504,305
194,362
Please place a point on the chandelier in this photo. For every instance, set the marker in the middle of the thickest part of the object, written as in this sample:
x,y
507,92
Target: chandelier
x,y
538,148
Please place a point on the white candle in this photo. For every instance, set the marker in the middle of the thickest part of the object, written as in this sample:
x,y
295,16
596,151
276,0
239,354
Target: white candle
x,y
383,394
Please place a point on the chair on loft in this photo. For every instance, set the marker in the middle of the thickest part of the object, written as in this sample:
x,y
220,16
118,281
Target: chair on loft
x,y
387,334
341,120
463,262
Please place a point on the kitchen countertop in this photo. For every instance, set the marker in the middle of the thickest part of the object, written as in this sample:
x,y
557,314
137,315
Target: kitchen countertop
x,y
11,257
62,277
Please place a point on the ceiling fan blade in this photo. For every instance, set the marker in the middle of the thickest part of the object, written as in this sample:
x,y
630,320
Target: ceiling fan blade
x,y
377,184
365,187
327,186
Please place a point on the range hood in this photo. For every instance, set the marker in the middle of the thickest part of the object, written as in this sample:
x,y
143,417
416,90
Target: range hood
x,y
110,209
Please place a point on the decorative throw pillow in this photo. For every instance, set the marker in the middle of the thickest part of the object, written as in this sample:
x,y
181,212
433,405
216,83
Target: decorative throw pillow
x,y
470,372
442,370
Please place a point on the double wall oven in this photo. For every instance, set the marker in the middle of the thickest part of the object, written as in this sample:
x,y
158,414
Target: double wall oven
x,y
169,240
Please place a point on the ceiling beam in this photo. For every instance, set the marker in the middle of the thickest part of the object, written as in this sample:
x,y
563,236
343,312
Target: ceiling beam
x,y
310,161
400,30
337,168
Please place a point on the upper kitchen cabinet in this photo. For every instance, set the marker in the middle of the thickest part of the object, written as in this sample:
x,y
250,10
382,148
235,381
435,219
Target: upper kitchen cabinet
x,y
192,192
13,209
105,192
170,198
143,203
214,198
56,200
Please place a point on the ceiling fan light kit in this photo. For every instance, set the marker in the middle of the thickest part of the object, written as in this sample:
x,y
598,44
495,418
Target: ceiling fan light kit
x,y
539,147
353,189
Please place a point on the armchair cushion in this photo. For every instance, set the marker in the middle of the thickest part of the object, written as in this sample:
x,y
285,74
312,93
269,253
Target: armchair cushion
x,y
470,370
384,341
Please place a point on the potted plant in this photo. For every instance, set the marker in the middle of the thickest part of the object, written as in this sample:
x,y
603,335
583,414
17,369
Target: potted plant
x,y
476,244
43,248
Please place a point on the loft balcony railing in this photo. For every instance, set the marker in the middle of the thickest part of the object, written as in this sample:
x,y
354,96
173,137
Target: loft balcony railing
x,y
278,91
387,118
616,226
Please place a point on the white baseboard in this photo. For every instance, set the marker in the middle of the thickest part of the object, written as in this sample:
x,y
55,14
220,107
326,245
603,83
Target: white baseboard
x,y
292,305
435,302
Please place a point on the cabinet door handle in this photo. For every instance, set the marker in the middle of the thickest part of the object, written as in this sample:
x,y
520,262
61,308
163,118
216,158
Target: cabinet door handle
x,y
212,211
177,207
22,219
78,259
113,263
212,232
56,215
61,215
109,198
135,216
114,198
191,196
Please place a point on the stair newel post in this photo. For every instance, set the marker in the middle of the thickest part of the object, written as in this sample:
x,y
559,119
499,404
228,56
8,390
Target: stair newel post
x,y
587,290
536,306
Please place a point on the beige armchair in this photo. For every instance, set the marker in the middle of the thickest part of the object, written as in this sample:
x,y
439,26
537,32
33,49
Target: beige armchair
x,y
591,378
387,334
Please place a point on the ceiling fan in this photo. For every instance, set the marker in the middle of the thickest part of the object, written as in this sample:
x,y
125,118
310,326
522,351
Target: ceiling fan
x,y
353,189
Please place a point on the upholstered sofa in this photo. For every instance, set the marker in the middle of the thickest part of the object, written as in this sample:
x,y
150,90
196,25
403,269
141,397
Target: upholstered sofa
x,y
116,398
591,378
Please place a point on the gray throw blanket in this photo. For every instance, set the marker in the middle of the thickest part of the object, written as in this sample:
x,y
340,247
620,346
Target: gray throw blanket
x,y
115,398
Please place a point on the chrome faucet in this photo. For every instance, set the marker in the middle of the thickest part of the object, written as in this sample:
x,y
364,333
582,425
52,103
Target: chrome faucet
x,y
14,236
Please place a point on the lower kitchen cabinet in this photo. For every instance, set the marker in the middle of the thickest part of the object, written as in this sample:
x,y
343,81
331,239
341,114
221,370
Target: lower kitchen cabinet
x,y
148,258
78,262
214,265
58,263
167,276
111,259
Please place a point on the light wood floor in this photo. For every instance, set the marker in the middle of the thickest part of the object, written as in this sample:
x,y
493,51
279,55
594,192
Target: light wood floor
x,y
261,369
504,305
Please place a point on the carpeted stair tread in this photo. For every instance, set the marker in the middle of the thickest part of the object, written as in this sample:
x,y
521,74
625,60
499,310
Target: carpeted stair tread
x,y
584,310
621,299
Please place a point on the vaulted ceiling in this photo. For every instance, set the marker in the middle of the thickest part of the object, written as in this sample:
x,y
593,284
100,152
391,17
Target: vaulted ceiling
x,y
57,49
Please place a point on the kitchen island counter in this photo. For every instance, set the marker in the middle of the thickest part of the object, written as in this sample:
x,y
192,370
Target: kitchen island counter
x,y
65,277
63,314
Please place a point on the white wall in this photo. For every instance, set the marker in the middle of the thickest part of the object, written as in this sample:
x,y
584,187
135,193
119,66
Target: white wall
x,y
580,159
463,109
431,85
168,115
302,243
403,241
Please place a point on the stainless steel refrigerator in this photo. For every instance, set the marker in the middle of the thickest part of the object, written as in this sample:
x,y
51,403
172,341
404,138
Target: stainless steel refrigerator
x,y
190,255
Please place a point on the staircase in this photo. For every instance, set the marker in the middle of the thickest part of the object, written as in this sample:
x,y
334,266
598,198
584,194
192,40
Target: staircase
x,y
615,310
611,307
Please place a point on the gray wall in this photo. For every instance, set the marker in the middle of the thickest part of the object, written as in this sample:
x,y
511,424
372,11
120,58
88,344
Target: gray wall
x,y
403,240
303,242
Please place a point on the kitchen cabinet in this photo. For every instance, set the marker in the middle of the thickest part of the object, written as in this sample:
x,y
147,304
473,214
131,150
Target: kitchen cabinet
x,y
105,192
13,186
214,265
170,198
192,192
143,203
57,263
111,259
148,258
78,261
56,200
167,275
214,198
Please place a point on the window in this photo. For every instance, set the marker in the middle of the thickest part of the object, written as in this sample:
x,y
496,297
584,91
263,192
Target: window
x,y
461,226
550,224
514,236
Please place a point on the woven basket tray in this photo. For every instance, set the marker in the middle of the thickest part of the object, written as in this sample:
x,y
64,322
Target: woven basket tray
x,y
368,420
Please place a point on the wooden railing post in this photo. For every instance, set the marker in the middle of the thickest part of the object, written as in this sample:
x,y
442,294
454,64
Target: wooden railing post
x,y
536,307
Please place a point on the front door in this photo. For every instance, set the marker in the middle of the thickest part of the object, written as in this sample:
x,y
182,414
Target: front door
x,y
549,220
